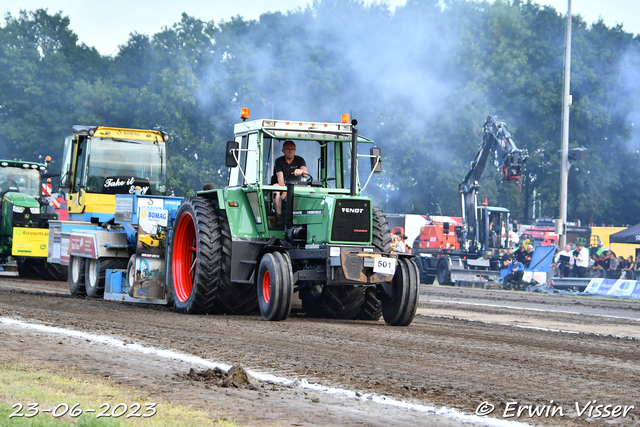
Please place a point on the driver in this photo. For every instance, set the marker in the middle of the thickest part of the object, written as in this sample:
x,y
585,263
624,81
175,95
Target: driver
x,y
286,165
8,183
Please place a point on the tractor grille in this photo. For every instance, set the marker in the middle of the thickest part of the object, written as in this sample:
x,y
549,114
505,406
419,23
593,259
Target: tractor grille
x,y
351,221
24,219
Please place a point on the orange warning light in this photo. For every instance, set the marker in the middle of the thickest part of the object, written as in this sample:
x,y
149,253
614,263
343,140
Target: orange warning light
x,y
345,118
244,113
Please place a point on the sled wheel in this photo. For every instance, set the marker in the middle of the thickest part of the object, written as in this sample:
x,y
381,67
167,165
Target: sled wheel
x,y
76,276
275,286
400,296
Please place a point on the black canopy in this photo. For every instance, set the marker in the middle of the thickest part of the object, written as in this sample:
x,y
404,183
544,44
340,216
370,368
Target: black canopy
x,y
630,235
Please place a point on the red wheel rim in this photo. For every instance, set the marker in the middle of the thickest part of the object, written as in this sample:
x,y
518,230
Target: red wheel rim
x,y
266,286
185,257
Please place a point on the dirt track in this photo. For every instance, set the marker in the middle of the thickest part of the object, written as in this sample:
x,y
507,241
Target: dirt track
x,y
465,347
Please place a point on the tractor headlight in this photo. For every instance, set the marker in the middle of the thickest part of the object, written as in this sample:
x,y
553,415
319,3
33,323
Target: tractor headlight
x,y
18,209
34,210
334,251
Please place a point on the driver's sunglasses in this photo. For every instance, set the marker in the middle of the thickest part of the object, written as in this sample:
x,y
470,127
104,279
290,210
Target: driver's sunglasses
x,y
290,149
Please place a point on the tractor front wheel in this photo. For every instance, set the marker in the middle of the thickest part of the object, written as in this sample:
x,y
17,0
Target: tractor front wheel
x,y
400,296
275,286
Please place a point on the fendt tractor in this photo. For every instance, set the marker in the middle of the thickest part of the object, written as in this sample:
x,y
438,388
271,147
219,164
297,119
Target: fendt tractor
x,y
226,250
24,214
470,251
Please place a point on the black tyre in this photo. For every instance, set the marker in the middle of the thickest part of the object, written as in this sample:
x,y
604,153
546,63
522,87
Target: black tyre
x,y
425,277
201,263
275,286
310,296
31,267
76,276
55,271
400,297
95,272
443,272
372,306
341,302
381,240
131,274
232,298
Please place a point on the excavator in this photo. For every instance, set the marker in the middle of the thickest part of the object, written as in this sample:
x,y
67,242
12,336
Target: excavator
x,y
470,249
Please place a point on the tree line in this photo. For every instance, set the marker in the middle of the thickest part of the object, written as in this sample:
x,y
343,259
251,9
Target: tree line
x,y
420,81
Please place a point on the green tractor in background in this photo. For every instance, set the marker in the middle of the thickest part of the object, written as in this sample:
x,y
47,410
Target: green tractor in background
x,y
24,216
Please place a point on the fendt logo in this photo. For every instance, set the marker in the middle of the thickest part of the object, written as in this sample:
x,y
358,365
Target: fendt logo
x,y
352,210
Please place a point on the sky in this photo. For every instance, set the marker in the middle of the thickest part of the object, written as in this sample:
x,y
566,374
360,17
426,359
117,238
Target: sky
x,y
106,25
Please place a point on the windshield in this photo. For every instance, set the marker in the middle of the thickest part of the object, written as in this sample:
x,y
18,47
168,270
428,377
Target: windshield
x,y
25,181
118,167
327,162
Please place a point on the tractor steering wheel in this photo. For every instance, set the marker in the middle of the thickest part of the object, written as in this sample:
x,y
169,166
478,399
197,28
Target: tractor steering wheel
x,y
306,180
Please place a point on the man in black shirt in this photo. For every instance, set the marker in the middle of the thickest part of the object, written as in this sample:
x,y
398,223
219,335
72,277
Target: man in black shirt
x,y
289,164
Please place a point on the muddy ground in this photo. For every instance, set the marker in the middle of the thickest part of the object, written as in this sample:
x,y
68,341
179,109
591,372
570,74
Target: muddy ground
x,y
465,347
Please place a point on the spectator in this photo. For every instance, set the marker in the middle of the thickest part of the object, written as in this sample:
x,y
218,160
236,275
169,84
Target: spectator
x,y
521,254
602,264
613,266
581,260
627,271
528,256
636,269
508,255
593,267
401,248
516,271
564,261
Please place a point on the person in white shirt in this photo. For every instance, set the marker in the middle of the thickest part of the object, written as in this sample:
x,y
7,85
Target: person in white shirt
x,y
564,268
581,260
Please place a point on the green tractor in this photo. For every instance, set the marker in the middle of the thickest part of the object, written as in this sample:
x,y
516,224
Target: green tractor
x,y
275,243
24,215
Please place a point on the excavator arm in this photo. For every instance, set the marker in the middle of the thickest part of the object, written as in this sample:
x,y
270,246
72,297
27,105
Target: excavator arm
x,y
495,137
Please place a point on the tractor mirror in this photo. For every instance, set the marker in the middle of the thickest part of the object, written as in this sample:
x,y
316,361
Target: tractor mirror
x,y
376,160
445,228
230,160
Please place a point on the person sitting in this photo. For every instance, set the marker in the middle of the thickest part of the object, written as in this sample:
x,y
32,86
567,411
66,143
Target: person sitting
x,y
516,271
627,270
8,183
286,165
614,272
636,269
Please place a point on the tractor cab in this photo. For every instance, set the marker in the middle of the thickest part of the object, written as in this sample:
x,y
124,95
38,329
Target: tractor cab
x,y
493,230
100,162
321,206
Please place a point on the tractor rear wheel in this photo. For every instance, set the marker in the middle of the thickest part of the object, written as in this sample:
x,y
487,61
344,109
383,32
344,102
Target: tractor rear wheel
x,y
30,267
54,271
275,286
372,307
400,297
381,240
95,273
341,301
201,263
76,276
195,257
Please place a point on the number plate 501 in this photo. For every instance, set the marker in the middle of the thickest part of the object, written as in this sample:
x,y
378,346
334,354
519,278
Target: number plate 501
x,y
385,265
